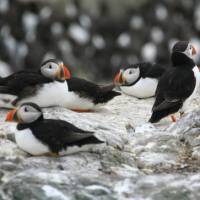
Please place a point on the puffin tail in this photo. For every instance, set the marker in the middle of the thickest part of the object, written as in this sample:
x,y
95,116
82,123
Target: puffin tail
x,y
7,96
89,140
158,115
155,117
6,90
1,80
106,94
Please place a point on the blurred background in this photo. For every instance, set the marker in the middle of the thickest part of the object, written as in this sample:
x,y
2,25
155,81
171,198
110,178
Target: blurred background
x,y
94,37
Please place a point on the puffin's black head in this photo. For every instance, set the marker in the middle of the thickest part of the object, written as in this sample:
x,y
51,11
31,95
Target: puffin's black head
x,y
127,75
55,69
182,53
184,47
26,113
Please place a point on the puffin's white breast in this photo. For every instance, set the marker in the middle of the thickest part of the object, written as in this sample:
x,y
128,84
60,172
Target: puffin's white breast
x,y
74,101
50,94
29,143
144,88
197,77
57,94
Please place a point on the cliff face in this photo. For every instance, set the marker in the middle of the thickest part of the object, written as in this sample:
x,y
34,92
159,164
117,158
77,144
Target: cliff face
x,y
138,160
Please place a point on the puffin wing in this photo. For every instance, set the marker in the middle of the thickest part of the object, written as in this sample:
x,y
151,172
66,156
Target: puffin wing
x,y
59,134
173,88
14,78
83,87
91,90
7,90
23,84
166,104
18,81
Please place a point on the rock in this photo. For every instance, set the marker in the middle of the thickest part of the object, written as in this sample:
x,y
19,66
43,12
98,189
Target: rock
x,y
138,160
188,131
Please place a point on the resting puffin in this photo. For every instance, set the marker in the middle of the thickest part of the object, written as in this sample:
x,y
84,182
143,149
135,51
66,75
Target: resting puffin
x,y
83,95
178,84
139,80
25,84
38,136
75,93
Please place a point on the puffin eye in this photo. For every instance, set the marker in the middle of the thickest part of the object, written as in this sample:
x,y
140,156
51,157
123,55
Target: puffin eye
x,y
50,66
25,109
130,72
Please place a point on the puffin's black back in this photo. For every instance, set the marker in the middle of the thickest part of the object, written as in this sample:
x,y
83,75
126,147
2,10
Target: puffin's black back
x,y
174,87
59,134
151,70
18,81
22,84
181,60
92,91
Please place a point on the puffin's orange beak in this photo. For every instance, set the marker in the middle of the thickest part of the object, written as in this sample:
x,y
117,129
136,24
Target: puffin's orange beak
x,y
67,74
64,72
11,116
194,52
118,80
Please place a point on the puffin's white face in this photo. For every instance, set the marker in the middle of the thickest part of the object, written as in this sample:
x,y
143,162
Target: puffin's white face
x,y
55,70
50,70
127,77
190,51
131,75
27,113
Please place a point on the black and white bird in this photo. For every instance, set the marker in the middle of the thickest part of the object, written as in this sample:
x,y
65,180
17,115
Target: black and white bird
x,y
54,87
139,80
178,84
25,85
83,95
38,136
75,93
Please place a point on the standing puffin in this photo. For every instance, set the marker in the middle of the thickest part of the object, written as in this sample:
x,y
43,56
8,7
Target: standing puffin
x,y
38,136
178,84
139,80
25,84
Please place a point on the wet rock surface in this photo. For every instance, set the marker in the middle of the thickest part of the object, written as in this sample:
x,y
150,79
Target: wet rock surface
x,y
138,161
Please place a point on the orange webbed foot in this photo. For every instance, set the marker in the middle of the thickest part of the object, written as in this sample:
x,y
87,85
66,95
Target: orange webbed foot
x,y
173,118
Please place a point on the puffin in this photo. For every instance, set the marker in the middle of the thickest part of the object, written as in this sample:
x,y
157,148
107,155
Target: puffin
x,y
25,84
76,94
139,80
46,137
86,96
178,84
